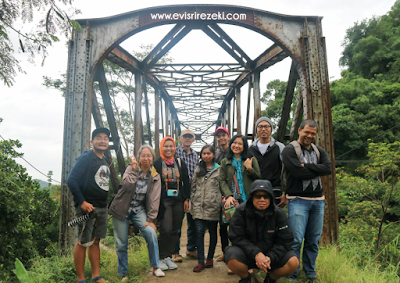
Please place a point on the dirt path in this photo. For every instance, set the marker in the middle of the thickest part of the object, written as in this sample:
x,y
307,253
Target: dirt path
x,y
184,273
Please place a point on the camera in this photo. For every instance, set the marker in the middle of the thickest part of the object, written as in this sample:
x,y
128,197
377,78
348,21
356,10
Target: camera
x,y
172,193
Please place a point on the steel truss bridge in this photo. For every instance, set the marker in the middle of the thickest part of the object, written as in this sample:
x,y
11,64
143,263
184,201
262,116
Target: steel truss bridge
x,y
197,96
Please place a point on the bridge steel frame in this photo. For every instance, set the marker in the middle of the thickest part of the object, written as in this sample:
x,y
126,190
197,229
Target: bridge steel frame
x,y
297,37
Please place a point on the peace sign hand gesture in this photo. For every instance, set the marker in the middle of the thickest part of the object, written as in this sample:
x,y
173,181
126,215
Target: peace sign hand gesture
x,y
134,163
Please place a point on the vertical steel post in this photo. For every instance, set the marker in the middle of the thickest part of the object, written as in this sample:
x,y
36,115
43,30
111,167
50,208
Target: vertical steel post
x,y
146,102
228,110
138,111
166,125
248,107
239,112
257,100
162,117
157,121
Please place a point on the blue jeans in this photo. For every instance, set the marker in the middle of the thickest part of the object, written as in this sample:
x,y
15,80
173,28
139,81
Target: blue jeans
x,y
200,229
306,218
191,235
121,240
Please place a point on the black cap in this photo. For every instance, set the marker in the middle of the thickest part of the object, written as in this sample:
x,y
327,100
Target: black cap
x,y
100,130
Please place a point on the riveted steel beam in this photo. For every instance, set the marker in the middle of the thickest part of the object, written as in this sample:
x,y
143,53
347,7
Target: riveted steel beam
x,y
293,77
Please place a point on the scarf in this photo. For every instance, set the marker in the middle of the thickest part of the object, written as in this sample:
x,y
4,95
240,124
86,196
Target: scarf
x,y
168,161
239,176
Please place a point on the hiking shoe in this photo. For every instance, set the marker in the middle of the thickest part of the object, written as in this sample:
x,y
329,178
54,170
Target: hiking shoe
x,y
162,265
209,263
312,280
124,278
269,279
191,254
220,258
170,263
177,258
158,272
199,267
248,279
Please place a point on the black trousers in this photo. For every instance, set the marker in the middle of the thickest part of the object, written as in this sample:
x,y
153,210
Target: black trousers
x,y
169,226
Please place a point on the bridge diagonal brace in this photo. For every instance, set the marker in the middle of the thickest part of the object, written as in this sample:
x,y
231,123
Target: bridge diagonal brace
x,y
227,38
172,38
105,94
217,38
293,77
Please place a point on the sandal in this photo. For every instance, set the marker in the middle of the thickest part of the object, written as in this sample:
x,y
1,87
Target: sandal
x,y
97,278
82,281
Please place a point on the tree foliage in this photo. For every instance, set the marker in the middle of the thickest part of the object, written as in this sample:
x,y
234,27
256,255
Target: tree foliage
x,y
53,20
370,198
29,221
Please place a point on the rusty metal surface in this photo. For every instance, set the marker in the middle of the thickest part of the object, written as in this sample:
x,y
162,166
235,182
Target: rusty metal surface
x,y
293,76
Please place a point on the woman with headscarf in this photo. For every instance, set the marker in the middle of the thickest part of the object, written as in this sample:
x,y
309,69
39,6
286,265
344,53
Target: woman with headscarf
x,y
137,201
236,175
175,194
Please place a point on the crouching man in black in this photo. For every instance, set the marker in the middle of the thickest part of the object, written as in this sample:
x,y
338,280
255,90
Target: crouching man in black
x,y
261,237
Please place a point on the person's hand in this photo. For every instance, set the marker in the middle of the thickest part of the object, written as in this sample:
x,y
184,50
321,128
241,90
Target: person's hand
x,y
284,201
263,262
186,206
302,164
229,201
248,164
151,224
134,163
88,207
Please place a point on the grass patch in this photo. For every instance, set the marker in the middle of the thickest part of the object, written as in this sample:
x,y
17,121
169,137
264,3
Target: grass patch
x,y
59,268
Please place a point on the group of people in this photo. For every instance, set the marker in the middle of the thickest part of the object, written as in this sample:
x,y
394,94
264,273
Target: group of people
x,y
156,194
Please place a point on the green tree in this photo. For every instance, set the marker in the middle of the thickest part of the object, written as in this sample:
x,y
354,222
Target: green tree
x,y
29,221
372,195
53,20
274,98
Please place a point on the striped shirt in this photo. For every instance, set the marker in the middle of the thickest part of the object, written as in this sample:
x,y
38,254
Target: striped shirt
x,y
191,160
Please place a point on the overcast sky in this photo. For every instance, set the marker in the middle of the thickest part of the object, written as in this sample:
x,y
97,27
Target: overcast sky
x,y
35,115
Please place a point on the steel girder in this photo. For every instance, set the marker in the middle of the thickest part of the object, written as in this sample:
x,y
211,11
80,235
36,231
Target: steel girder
x,y
299,37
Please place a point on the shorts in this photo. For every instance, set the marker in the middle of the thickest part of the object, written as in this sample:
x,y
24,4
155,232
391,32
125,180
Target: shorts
x,y
92,228
234,252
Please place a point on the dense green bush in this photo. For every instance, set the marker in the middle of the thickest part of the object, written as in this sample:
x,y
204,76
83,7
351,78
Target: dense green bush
x,y
29,217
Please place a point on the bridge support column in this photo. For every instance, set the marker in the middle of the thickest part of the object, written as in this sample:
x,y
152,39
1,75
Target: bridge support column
x,y
157,121
138,111
257,101
238,111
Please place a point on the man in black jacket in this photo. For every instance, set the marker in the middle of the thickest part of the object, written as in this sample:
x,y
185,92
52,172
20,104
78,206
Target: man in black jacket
x,y
268,152
261,237
305,163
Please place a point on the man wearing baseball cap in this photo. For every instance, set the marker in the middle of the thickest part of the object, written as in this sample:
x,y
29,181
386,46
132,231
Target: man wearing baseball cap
x,y
190,157
222,136
261,237
268,152
88,182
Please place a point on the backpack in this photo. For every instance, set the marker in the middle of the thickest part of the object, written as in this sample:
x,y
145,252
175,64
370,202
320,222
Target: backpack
x,y
297,148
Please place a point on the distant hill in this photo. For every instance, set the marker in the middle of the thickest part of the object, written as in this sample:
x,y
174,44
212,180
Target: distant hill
x,y
43,184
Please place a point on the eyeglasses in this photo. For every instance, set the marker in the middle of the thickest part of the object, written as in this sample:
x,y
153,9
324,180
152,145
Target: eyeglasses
x,y
261,196
263,127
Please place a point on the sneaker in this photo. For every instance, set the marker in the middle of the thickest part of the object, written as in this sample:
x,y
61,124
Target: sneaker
x,y
162,265
312,280
249,279
220,258
170,263
209,263
191,254
124,278
177,258
158,272
268,279
199,267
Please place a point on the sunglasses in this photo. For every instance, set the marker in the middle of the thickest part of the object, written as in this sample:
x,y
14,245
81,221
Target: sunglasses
x,y
261,196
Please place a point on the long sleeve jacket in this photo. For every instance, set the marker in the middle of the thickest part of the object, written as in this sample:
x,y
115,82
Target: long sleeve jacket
x,y
122,200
